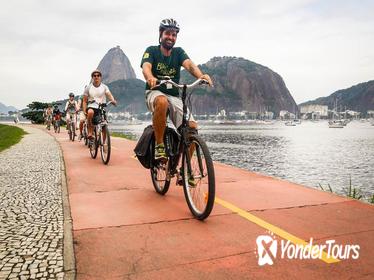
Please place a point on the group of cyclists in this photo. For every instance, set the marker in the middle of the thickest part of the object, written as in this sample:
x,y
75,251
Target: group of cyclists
x,y
86,107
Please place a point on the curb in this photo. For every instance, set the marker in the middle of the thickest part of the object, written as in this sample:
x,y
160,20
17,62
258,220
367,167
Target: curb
x,y
69,258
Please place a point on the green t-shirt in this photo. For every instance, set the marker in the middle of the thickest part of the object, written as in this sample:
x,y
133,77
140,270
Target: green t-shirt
x,y
165,66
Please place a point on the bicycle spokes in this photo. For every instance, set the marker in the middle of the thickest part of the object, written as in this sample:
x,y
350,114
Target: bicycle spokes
x,y
199,188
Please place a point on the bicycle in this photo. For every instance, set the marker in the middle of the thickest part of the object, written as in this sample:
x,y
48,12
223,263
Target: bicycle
x,y
72,126
48,121
101,136
188,151
57,124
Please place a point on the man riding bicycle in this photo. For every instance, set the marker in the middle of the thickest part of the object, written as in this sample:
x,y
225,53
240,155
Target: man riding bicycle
x,y
71,108
95,94
48,116
56,113
158,62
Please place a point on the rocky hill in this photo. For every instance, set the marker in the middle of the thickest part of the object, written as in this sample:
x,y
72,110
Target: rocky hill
x,y
5,109
129,95
116,66
240,84
358,98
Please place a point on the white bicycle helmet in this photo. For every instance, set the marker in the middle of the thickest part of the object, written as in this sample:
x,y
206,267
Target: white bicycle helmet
x,y
169,23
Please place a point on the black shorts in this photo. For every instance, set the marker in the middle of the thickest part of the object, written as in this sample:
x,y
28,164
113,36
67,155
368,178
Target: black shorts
x,y
96,117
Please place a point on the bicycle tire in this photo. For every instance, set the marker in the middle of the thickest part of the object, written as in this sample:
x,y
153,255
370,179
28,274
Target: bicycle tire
x,y
161,183
192,193
69,131
72,131
106,158
85,135
94,146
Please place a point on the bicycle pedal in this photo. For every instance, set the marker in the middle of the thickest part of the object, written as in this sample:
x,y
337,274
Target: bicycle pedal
x,y
161,160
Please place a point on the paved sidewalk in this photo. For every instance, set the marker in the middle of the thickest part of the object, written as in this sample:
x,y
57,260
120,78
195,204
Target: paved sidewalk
x,y
124,230
31,211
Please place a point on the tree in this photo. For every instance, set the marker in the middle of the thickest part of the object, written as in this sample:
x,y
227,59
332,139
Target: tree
x,y
36,113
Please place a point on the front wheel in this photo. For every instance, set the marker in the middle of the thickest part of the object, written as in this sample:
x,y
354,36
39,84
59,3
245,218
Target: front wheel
x,y
198,178
85,134
105,147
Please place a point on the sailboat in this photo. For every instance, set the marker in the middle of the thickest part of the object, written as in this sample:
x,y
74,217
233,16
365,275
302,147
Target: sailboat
x,y
335,123
290,123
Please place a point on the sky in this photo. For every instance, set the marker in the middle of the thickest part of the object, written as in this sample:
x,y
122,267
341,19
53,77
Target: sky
x,y
48,48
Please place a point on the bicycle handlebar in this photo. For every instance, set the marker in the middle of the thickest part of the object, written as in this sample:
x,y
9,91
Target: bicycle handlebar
x,y
168,80
103,105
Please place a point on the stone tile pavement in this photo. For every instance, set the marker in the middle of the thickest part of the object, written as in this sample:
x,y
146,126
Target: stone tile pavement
x,y
31,209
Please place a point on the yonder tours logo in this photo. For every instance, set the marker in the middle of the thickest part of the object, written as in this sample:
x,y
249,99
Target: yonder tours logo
x,y
267,249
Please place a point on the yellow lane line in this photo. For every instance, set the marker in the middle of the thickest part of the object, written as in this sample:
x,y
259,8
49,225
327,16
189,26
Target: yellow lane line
x,y
276,230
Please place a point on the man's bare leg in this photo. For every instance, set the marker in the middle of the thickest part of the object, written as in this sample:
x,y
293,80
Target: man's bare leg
x,y
90,114
81,127
159,117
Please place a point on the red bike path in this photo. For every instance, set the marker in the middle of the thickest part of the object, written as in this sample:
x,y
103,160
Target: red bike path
x,y
122,229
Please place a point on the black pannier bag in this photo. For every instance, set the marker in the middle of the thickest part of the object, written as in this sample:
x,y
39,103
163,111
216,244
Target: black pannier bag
x,y
143,149
145,146
97,117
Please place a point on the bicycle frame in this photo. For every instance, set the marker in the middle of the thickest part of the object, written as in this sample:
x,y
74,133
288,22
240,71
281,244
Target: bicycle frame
x,y
103,119
184,129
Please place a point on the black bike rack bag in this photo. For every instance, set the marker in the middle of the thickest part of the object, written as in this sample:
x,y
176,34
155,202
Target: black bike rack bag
x,y
143,147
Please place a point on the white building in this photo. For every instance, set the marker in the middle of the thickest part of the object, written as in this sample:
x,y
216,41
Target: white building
x,y
321,110
285,115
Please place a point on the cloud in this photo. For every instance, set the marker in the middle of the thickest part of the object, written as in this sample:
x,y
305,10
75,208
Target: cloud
x,y
48,48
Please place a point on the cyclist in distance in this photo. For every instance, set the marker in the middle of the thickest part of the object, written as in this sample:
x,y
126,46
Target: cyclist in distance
x,y
48,116
56,113
160,61
71,108
94,94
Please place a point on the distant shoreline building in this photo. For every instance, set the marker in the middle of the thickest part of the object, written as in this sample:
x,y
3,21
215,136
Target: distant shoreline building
x,y
314,111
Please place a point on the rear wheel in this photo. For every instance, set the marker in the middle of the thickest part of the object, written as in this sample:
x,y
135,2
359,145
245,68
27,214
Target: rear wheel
x,y
94,145
159,174
199,179
105,147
